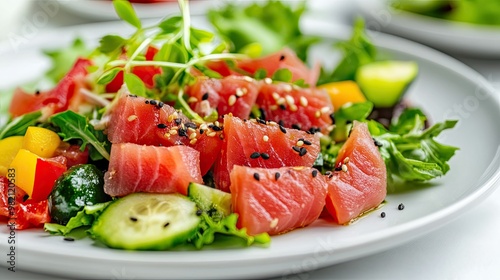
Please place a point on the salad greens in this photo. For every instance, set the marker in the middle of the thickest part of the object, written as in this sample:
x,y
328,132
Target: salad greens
x,y
485,12
261,29
19,125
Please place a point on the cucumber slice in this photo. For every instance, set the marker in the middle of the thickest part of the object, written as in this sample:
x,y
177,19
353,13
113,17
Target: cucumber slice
x,y
143,221
385,82
216,203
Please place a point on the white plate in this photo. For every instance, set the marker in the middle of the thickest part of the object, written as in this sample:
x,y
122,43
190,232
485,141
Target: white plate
x,y
451,37
103,9
445,88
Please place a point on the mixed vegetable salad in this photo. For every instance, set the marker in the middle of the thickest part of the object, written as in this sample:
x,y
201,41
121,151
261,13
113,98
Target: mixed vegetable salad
x,y
179,135
482,12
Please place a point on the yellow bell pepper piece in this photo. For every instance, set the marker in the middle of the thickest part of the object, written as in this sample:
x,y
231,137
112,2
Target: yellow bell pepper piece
x,y
24,165
8,150
343,92
41,141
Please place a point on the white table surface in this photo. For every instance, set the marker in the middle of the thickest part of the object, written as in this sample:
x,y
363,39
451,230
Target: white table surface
x,y
465,248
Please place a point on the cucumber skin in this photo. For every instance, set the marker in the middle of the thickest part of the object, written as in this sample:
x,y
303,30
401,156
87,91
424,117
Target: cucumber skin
x,y
204,196
101,228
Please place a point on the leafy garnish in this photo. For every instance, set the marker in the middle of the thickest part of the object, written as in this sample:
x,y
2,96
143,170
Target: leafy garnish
x,y
76,126
358,51
411,152
85,217
126,12
347,114
267,27
208,229
19,125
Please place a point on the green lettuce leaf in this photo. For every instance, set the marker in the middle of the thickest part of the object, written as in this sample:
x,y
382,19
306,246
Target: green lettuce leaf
x,y
19,125
411,152
85,217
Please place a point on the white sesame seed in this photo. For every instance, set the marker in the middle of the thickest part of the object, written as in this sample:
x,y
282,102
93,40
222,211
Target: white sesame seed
x,y
132,118
344,167
287,87
192,135
281,101
303,101
276,96
192,99
325,110
300,143
346,160
217,123
211,134
273,107
274,223
289,100
239,92
293,108
167,135
265,138
172,132
204,126
317,114
248,79
231,100
193,141
268,81
190,129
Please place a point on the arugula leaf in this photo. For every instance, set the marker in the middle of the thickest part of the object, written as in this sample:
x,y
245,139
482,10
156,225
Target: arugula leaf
x,y
209,228
126,12
283,75
358,51
110,43
19,125
273,25
76,126
85,217
411,152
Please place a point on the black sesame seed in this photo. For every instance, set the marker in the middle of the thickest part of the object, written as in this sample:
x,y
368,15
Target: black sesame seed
x,y
132,95
297,149
37,92
160,104
314,173
216,128
261,121
166,225
277,175
256,176
282,129
69,239
282,107
401,206
147,101
296,126
302,151
282,57
190,124
161,126
265,155
281,122
308,143
382,214
178,121
199,212
133,219
314,129
255,155
182,132
201,131
153,102
204,96
25,197
338,168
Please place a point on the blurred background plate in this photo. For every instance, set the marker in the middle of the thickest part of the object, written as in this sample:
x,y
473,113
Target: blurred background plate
x,y
103,9
448,36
